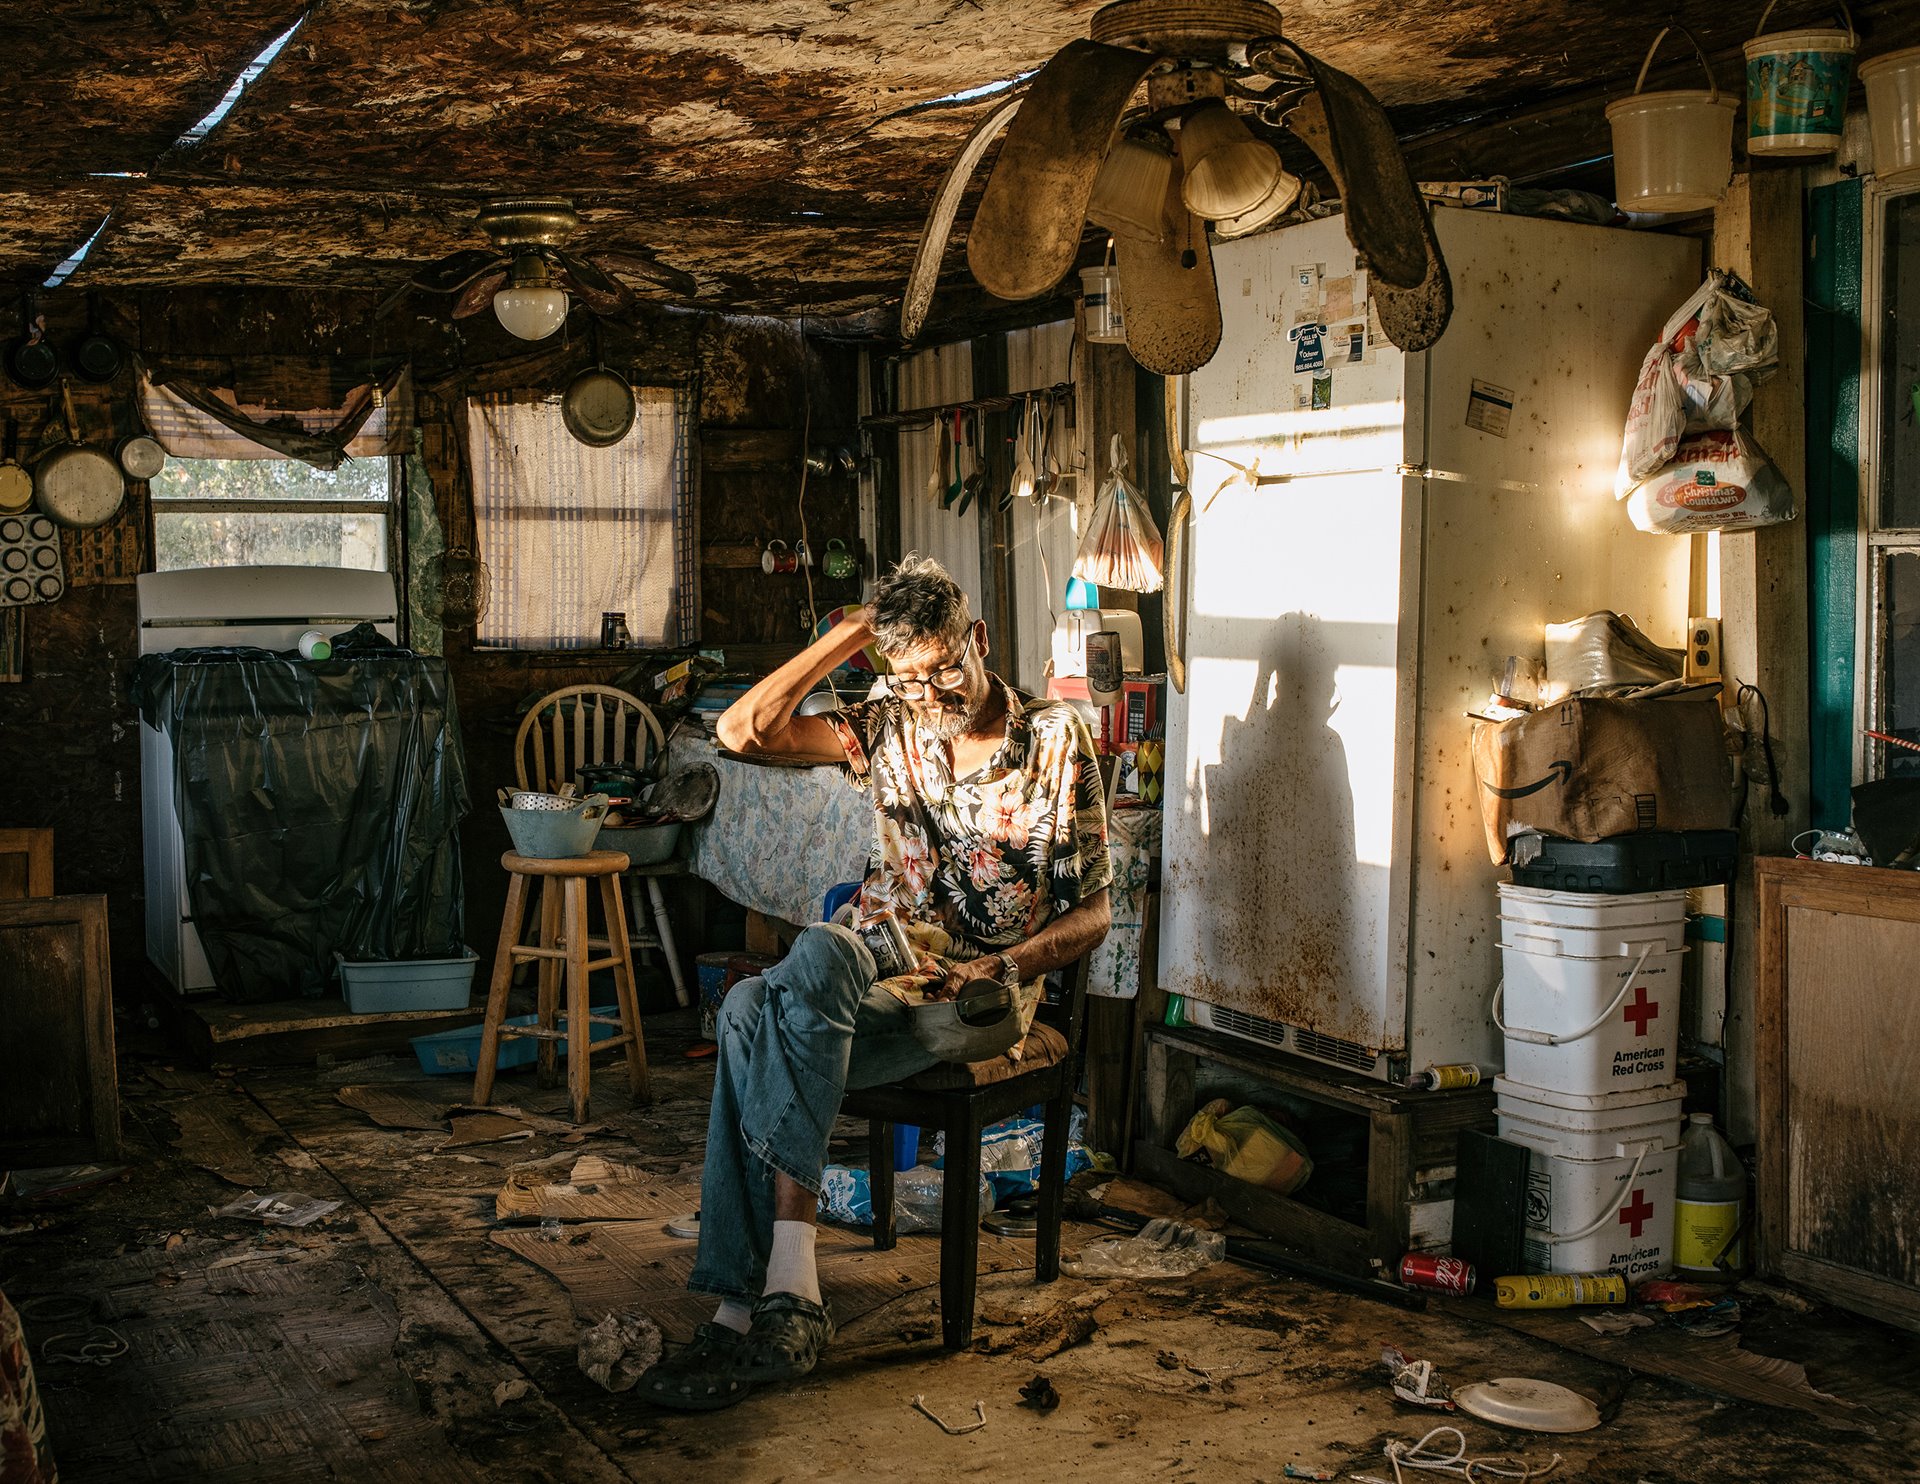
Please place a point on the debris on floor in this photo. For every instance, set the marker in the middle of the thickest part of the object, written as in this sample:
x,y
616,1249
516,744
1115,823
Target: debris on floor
x,y
979,1412
1039,1395
1415,1380
279,1208
595,1189
1163,1248
618,1350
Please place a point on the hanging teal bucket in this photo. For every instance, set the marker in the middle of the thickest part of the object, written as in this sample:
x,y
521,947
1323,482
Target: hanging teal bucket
x,y
1797,85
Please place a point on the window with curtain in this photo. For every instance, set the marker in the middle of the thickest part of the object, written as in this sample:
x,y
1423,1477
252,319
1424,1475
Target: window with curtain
x,y
571,532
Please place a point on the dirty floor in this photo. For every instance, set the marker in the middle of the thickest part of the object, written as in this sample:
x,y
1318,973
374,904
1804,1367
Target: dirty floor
x,y
415,1335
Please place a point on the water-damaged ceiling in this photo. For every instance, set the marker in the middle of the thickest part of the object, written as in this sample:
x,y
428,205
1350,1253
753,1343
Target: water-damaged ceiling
x,y
780,151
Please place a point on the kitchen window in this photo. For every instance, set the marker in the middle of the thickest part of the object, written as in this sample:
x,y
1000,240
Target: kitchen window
x,y
273,512
1893,498
570,532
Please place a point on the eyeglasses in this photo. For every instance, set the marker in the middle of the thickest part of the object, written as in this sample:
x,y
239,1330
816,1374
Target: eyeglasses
x,y
951,678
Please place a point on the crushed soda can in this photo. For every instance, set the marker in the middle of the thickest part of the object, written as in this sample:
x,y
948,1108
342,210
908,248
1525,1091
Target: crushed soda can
x,y
1442,1274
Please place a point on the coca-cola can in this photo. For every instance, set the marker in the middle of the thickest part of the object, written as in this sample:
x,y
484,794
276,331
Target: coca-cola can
x,y
1445,1274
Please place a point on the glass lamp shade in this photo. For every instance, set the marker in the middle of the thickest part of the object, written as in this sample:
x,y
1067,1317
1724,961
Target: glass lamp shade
x,y
1279,200
1100,292
531,313
1130,192
1226,171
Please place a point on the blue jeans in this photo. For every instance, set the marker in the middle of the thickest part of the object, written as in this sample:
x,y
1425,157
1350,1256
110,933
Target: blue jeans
x,y
791,1042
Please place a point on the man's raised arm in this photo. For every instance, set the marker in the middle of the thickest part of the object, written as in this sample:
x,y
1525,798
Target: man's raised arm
x,y
762,721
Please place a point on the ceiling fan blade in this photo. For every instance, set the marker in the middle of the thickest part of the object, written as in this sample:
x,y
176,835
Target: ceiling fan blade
x,y
478,295
1383,206
1171,307
1412,316
921,281
455,271
644,267
1027,231
600,292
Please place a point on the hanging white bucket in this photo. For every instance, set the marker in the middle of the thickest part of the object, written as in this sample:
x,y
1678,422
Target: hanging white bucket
x,y
1590,1025
1893,111
1672,151
1600,1215
1797,85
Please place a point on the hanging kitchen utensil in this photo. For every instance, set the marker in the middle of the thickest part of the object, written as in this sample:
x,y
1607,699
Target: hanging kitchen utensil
x,y
16,485
975,484
30,570
1021,486
78,486
31,361
941,485
140,456
954,446
98,357
598,405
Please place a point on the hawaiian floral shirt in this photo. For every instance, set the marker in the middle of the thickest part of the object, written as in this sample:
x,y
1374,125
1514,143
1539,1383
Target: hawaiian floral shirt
x,y
983,862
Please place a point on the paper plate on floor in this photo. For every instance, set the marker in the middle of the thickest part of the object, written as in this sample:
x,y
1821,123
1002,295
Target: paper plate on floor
x,y
1536,1406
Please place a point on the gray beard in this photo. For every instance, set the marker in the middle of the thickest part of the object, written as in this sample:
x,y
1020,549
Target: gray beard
x,y
948,724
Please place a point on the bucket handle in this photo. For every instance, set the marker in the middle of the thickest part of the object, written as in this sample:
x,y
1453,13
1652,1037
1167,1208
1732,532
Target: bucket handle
x,y
1547,1038
1619,1200
1713,88
1853,36
1552,947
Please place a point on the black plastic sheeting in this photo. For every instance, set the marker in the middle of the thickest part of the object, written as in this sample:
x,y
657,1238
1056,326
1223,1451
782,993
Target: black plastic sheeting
x,y
320,804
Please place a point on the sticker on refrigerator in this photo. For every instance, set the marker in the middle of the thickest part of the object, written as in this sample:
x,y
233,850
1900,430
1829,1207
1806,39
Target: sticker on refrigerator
x,y
1309,350
1322,391
1489,408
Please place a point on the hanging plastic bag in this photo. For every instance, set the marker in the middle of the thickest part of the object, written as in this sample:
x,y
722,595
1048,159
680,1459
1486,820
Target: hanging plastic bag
x,y
1122,546
1247,1145
1721,481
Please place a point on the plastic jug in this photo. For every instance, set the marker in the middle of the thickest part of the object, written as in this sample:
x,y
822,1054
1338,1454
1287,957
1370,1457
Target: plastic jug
x,y
1710,1204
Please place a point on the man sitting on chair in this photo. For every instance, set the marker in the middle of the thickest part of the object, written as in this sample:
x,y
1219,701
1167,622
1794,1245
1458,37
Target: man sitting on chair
x,y
989,864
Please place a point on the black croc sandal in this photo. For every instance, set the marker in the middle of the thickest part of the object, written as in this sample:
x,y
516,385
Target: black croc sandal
x,y
703,1375
788,1334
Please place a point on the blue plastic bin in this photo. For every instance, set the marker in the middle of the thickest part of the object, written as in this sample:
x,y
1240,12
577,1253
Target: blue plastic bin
x,y
373,987
459,1051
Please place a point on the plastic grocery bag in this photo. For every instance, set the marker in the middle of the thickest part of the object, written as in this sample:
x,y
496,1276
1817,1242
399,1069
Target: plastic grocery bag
x,y
1122,546
1163,1248
1247,1145
1699,376
1720,481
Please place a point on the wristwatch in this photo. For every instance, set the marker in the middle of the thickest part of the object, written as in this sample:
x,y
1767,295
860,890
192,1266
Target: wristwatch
x,y
1009,973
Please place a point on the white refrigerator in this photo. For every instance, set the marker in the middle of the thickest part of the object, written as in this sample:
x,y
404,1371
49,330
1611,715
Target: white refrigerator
x,y
1371,537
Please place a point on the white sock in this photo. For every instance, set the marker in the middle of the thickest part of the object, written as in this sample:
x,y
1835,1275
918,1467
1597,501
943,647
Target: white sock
x,y
734,1315
790,1268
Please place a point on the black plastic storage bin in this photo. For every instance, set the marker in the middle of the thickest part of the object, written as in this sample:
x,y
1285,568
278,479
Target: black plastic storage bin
x,y
1665,860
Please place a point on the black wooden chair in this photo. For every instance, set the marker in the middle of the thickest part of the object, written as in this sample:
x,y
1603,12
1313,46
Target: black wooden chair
x,y
961,1099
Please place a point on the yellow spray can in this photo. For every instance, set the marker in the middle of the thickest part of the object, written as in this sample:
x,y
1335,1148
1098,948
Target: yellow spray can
x,y
1559,1290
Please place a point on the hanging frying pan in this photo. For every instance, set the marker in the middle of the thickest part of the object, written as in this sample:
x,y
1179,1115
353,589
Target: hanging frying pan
x,y
598,407
16,485
98,357
78,486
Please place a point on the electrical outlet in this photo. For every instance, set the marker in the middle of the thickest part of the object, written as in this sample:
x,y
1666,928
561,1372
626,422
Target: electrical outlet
x,y
1703,649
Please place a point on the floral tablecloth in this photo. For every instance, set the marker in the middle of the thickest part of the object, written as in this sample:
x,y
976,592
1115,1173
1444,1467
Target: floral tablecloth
x,y
778,838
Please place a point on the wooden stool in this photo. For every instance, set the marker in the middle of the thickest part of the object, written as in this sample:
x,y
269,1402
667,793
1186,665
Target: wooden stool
x,y
564,942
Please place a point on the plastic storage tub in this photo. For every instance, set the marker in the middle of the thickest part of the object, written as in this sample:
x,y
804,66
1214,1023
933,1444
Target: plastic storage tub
x,y
1607,911
1600,1215
459,1051
1598,1126
1590,1025
1664,860
384,986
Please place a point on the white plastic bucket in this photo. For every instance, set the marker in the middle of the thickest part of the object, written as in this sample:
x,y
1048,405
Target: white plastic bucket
x,y
1556,941
1893,111
1581,909
1596,1126
1672,151
1599,1215
1797,85
1590,1025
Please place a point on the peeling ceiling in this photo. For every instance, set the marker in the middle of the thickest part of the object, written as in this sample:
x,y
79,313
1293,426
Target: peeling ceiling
x,y
780,151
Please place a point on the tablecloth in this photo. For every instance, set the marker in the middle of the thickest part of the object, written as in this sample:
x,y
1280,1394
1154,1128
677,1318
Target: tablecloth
x,y
778,838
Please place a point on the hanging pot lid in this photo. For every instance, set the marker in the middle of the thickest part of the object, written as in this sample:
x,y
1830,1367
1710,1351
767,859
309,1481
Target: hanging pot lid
x,y
141,456
598,407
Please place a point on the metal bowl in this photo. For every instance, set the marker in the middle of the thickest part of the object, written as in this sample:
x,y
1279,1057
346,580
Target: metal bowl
x,y
520,798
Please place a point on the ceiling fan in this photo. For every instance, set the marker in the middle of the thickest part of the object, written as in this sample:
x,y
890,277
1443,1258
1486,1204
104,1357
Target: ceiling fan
x,y
1159,175
527,274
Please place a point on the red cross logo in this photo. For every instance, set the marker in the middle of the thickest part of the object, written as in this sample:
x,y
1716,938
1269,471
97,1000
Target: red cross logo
x,y
1640,1012
1636,1213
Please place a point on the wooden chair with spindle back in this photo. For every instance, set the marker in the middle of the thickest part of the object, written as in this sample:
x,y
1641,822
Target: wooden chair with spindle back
x,y
581,725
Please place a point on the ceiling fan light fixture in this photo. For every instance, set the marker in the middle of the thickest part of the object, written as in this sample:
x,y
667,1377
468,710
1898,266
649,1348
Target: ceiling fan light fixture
x,y
1130,193
1226,171
531,306
1278,202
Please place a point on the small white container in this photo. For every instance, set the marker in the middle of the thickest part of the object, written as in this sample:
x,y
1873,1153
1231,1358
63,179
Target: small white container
x,y
1892,84
1580,909
1599,1215
1593,1126
1590,1025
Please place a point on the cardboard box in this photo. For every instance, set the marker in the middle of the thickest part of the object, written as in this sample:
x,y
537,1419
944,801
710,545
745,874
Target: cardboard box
x,y
1590,768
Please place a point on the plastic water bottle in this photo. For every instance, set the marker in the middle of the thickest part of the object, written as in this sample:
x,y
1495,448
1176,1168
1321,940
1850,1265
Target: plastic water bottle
x,y
1710,1204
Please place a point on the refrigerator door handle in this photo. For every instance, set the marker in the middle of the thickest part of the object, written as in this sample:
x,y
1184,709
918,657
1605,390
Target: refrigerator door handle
x,y
1173,611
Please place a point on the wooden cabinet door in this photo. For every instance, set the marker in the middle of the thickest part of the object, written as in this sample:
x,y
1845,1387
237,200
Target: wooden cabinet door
x,y
1837,1066
59,1097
